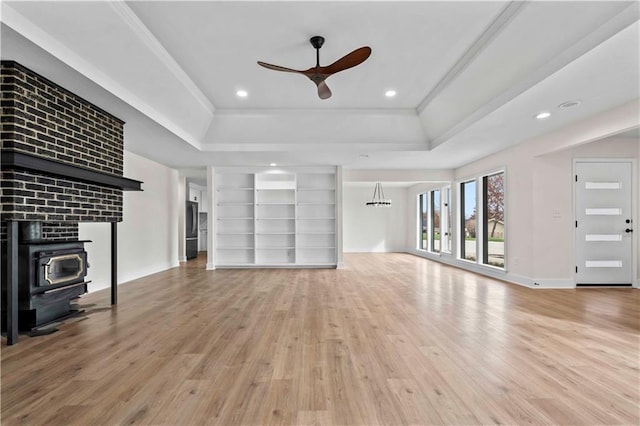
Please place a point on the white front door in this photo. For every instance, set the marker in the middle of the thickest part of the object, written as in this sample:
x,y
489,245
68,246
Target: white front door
x,y
604,228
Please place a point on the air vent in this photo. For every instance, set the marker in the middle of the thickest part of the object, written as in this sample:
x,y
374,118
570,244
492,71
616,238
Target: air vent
x,y
569,104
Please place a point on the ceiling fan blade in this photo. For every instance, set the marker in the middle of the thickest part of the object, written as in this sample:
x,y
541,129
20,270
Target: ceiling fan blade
x,y
349,60
323,90
277,67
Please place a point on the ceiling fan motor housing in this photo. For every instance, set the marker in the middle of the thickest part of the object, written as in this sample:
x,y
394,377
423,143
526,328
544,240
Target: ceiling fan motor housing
x,y
317,41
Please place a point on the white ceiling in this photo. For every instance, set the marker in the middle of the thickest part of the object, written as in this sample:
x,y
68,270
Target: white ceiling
x,y
469,75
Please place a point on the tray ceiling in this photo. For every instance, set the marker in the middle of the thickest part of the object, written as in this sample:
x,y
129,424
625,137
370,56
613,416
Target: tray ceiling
x,y
469,76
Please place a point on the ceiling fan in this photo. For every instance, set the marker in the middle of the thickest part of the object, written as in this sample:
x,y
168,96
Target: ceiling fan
x,y
319,74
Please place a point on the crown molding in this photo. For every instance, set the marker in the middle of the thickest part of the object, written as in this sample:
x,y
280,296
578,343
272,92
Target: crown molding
x,y
625,18
154,46
261,112
296,147
496,26
32,32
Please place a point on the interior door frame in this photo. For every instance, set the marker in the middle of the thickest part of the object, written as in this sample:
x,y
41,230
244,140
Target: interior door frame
x,y
634,210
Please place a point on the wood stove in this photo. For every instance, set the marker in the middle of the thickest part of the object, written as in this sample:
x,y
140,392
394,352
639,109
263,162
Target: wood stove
x,y
51,274
62,164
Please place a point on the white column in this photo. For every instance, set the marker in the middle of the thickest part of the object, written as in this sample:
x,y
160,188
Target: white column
x,y
182,203
339,254
211,218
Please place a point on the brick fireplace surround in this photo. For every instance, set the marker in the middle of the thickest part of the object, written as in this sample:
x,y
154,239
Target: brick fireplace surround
x,y
62,159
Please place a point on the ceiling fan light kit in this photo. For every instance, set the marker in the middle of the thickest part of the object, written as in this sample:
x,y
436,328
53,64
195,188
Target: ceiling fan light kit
x,y
319,74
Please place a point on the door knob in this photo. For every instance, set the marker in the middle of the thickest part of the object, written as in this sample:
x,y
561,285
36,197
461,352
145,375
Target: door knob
x,y
628,230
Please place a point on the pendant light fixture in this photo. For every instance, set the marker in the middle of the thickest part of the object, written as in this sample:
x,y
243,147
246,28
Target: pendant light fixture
x,y
378,199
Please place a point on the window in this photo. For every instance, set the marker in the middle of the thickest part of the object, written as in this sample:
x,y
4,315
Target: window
x,y
435,220
493,220
468,222
423,219
482,219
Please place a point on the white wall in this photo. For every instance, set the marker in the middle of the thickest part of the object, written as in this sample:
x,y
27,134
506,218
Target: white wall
x,y
539,203
148,234
540,207
371,229
553,190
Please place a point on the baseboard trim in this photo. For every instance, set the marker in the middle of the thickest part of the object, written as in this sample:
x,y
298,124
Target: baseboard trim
x,y
471,267
127,278
628,285
545,283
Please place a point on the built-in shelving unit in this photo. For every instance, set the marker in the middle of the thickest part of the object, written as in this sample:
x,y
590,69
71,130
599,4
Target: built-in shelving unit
x,y
316,219
235,219
276,218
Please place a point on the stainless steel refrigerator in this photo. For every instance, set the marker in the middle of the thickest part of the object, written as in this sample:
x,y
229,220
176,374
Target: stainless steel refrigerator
x,y
192,229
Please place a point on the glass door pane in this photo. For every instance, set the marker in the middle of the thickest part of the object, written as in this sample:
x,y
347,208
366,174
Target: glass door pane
x,y
468,211
435,220
423,219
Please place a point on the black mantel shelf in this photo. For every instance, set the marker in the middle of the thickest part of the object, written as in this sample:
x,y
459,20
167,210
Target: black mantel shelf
x,y
21,160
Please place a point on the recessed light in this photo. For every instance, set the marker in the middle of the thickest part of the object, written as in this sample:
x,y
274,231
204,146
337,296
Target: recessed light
x,y
569,104
242,93
390,93
272,164
543,115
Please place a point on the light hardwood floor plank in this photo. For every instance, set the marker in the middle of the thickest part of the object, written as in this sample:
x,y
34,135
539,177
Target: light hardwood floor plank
x,y
390,339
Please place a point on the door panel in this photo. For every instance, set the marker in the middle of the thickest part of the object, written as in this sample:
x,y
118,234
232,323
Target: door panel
x,y
603,223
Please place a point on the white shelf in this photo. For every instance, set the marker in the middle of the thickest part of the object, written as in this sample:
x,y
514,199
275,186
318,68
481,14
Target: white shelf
x,y
275,204
282,219
311,247
316,263
278,264
275,248
276,218
275,233
235,248
316,233
316,218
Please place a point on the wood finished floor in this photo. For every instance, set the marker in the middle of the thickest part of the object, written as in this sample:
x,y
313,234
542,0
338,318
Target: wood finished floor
x,y
391,339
